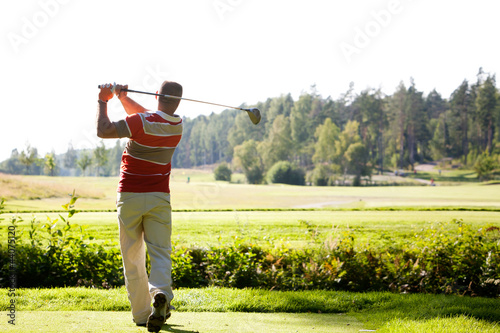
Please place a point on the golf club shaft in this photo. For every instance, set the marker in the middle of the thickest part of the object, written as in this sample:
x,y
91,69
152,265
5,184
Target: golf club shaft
x,y
186,99
253,113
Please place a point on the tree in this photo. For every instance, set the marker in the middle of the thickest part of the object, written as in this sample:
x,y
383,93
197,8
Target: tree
x,y
70,157
397,112
486,103
13,164
368,107
243,130
284,172
356,157
300,122
28,157
278,145
438,144
50,163
182,155
197,146
485,166
344,107
348,137
279,106
435,105
324,148
416,129
248,159
223,172
460,114
84,162
100,157
321,175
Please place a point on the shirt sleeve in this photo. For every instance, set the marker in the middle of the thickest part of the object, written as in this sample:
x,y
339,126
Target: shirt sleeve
x,y
122,129
134,124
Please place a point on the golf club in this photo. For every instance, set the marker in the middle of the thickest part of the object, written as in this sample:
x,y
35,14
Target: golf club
x,y
253,113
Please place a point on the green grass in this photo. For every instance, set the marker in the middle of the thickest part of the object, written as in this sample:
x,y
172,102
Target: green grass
x,y
387,312
274,227
185,322
458,324
228,310
446,176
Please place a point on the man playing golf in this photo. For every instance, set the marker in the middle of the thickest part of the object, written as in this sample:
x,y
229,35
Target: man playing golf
x,y
143,202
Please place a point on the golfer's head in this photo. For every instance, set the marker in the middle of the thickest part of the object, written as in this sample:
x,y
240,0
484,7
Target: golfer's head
x,y
173,89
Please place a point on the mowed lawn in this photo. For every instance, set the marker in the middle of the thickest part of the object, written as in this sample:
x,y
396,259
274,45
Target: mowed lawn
x,y
267,228
270,228
251,310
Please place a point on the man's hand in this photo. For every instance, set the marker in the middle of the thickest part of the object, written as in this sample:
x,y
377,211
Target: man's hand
x,y
119,92
130,106
106,94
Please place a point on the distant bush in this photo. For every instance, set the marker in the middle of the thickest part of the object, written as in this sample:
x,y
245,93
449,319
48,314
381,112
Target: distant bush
x,y
223,172
284,172
320,176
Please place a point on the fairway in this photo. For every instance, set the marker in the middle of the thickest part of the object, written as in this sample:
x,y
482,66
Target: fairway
x,y
202,192
270,228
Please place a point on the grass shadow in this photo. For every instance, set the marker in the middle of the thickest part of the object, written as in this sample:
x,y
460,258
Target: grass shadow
x,y
176,328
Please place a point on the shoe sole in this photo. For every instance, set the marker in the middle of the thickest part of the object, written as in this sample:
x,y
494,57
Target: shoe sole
x,y
156,320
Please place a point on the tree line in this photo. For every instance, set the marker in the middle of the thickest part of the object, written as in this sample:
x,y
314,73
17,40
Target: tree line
x,y
355,134
331,140
100,161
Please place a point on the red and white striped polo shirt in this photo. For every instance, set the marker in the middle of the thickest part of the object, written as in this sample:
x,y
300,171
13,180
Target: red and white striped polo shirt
x,y
146,160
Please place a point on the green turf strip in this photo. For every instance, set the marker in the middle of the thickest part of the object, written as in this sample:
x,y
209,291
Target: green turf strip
x,y
373,209
230,310
185,322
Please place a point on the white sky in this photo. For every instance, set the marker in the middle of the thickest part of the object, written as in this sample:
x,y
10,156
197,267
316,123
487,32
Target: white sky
x,y
55,52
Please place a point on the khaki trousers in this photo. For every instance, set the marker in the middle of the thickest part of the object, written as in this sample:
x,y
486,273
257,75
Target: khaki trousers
x,y
145,218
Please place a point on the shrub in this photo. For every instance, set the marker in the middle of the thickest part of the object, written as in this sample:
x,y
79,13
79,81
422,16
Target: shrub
x,y
485,165
53,258
284,172
223,172
320,175
436,260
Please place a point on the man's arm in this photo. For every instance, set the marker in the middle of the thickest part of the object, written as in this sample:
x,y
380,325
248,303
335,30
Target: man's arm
x,y
105,128
128,103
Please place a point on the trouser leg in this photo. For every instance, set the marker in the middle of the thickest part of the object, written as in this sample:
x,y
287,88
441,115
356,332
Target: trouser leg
x,y
130,207
157,235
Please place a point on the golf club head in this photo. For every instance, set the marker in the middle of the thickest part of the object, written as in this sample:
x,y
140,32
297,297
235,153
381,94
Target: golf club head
x,y
254,115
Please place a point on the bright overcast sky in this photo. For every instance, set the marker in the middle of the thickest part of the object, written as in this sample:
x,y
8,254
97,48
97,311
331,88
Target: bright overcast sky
x,y
55,53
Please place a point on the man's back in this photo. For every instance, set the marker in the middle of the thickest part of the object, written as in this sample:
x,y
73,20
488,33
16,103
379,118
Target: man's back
x,y
146,161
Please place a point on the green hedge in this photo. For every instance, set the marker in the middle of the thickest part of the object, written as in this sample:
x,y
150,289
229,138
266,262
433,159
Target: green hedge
x,y
436,260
